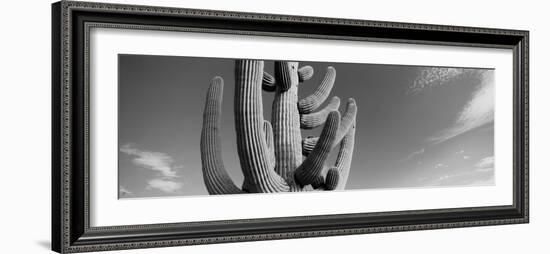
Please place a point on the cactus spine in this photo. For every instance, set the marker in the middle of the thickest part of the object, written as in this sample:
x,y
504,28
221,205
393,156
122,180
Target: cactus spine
x,y
273,155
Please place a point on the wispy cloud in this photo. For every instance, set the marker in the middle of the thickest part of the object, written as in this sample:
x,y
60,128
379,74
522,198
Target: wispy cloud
x,y
415,154
476,113
160,162
164,185
166,179
481,173
462,154
487,163
123,192
470,178
433,77
440,165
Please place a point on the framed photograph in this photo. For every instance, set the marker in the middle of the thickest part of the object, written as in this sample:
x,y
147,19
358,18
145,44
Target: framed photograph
x,y
181,126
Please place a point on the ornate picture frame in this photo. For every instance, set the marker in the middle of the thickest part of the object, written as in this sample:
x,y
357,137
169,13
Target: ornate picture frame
x,y
72,201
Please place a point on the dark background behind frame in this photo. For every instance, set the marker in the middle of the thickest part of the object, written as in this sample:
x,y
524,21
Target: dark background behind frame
x,y
76,227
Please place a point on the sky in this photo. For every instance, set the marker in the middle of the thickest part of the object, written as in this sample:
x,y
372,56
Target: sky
x,y
417,126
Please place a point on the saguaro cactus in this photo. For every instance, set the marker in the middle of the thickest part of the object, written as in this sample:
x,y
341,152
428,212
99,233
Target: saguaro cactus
x,y
273,155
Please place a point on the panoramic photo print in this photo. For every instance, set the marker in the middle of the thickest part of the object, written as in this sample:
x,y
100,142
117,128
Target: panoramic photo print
x,y
192,126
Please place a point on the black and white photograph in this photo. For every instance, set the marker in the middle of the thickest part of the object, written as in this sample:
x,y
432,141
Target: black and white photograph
x,y
178,124
192,126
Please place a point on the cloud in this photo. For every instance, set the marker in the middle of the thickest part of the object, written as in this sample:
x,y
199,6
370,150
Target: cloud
x,y
462,154
167,179
486,162
415,154
477,112
482,173
164,185
434,76
440,165
123,192
160,162
470,178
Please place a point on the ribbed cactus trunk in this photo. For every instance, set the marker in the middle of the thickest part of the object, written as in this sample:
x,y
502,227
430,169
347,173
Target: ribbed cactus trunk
x,y
273,156
259,175
286,120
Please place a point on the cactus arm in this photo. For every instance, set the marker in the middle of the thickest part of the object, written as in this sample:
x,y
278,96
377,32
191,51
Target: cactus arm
x,y
348,120
337,176
332,179
313,101
287,74
268,82
313,120
343,161
305,73
268,130
252,148
215,176
309,171
319,182
308,144
286,120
